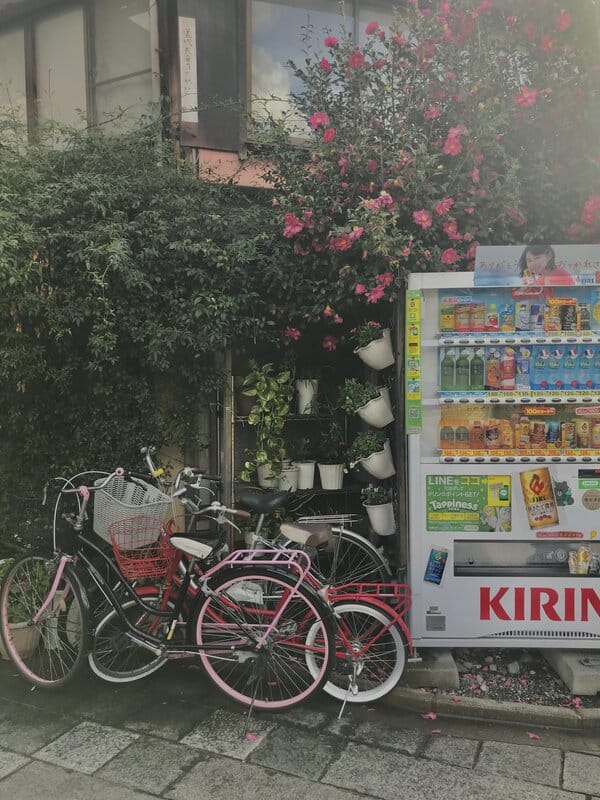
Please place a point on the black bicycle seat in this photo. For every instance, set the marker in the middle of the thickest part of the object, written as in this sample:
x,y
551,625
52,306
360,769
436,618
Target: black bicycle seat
x,y
264,503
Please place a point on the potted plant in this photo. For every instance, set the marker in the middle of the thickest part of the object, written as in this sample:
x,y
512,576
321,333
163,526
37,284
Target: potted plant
x,y
272,392
380,510
243,402
307,386
330,458
373,345
371,403
24,636
301,449
372,450
289,477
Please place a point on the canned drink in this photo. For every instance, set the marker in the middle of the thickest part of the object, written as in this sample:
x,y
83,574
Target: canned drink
x,y
594,565
538,495
582,433
584,559
573,562
553,433
436,564
568,440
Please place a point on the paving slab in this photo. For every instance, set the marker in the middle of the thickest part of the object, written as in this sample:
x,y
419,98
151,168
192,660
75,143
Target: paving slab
x,y
303,753
404,741
9,762
50,782
87,747
452,750
528,762
25,729
150,764
223,733
223,779
306,717
169,720
581,773
394,776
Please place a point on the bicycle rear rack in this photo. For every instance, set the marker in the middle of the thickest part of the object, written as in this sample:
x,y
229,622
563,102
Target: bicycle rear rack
x,y
396,595
297,561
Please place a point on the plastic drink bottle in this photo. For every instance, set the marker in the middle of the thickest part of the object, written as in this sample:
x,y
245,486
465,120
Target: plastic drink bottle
x,y
447,376
571,368
462,372
585,376
477,372
507,369
554,369
523,368
539,379
597,368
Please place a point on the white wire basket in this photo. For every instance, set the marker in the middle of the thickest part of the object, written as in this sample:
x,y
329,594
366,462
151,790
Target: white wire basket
x,y
121,499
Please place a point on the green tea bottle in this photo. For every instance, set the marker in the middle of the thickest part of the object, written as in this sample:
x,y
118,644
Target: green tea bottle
x,y
476,378
462,371
447,380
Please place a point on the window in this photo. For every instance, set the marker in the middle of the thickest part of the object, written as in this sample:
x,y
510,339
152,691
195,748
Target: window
x,y
277,29
60,68
12,73
123,68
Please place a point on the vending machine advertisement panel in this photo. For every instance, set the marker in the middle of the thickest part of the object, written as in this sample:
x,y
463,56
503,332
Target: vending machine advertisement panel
x,y
503,421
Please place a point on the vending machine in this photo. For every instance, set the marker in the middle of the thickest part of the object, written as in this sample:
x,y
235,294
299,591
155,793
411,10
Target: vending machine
x,y
503,422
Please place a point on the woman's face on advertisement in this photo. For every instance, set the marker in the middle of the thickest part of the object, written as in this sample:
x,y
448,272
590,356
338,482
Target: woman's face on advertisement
x,y
537,264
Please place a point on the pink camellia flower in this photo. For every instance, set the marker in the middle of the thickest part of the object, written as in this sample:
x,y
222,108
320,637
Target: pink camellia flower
x,y
343,165
372,28
328,311
452,146
547,45
444,206
375,294
450,256
372,165
329,135
399,40
451,75
337,320
360,288
422,218
381,62
299,250
356,60
307,218
469,210
330,41
330,343
475,175
325,65
385,199
591,208
292,333
339,244
371,205
511,21
318,119
575,229
433,112
528,97
293,226
563,21
458,130
385,278
356,233
450,228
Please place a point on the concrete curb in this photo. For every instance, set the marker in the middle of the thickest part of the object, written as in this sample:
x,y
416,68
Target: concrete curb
x,y
404,697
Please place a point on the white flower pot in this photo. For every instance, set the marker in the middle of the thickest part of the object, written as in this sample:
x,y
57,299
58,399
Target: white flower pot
x,y
307,393
332,475
25,638
306,474
381,518
377,354
380,464
266,479
377,412
288,480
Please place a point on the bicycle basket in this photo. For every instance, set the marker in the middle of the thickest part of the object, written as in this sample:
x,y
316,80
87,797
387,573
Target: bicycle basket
x,y
141,547
122,499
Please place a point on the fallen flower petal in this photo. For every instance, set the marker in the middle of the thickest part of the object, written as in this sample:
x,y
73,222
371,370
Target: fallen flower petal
x,y
533,736
430,715
456,699
436,730
250,737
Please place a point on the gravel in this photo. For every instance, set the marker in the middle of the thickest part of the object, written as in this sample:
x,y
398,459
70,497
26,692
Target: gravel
x,y
518,676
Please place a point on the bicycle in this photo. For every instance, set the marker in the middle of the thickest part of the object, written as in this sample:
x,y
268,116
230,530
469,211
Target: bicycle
x,y
345,557
244,626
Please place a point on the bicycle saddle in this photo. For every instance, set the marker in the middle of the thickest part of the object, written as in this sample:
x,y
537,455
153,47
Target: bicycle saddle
x,y
307,535
191,546
264,503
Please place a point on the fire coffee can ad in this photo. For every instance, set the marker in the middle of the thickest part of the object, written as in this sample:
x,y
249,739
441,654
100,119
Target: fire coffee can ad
x,y
538,495
436,564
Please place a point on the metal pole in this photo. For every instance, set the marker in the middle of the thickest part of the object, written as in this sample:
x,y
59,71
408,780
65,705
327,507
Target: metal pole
x,y
401,450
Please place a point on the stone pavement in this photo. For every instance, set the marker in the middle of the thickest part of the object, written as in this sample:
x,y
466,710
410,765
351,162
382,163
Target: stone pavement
x,y
173,736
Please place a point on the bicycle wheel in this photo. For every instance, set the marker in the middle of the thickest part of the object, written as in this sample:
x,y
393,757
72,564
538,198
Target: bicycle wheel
x,y
229,622
49,652
347,558
370,653
114,657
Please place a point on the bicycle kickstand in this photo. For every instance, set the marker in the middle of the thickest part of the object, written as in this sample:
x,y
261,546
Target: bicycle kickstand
x,y
352,689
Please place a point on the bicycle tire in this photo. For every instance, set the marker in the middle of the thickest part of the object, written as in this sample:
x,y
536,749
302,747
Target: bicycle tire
x,y
380,667
53,650
277,676
113,656
358,561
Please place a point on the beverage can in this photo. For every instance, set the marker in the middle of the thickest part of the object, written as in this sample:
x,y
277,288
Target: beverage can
x,y
595,434
553,433
594,565
584,558
568,440
492,434
462,318
582,433
573,562
507,369
477,317
436,564
446,318
523,315
538,495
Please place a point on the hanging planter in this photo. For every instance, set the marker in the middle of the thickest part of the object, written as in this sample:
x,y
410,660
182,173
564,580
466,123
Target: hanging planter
x,y
377,412
288,480
381,463
307,393
378,504
306,474
332,475
377,354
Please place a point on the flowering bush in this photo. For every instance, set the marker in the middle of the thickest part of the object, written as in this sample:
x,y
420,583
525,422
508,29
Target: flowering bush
x,y
470,121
